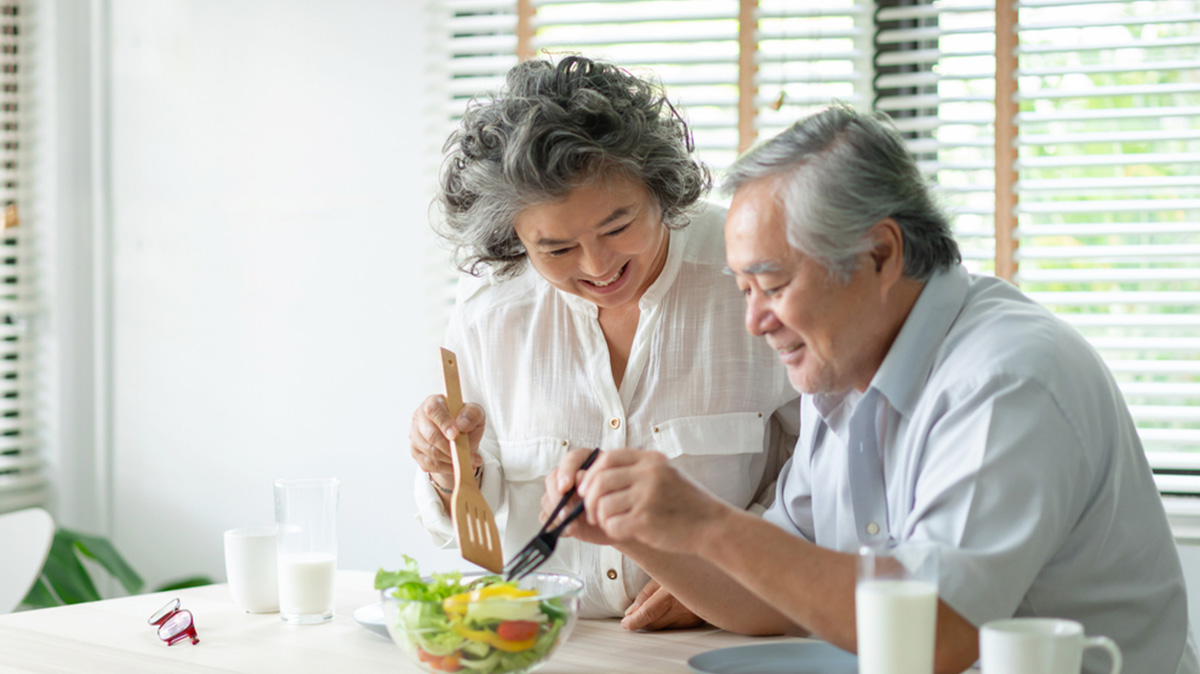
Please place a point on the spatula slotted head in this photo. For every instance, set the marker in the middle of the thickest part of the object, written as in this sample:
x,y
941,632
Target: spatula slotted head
x,y
478,537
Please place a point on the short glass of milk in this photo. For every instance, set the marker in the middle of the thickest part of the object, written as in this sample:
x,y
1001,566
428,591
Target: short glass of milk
x,y
896,607
306,520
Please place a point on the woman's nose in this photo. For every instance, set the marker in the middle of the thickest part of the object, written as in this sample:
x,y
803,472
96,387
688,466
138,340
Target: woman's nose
x,y
595,261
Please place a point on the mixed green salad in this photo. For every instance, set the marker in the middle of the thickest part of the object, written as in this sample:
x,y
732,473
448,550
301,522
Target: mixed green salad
x,y
485,626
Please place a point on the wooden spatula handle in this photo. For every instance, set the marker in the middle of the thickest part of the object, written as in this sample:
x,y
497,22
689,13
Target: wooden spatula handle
x,y
454,404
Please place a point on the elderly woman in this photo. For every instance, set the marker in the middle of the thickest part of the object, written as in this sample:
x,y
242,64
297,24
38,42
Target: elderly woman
x,y
595,314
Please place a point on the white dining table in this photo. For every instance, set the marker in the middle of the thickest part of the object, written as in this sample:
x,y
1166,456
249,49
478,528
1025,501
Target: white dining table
x,y
113,636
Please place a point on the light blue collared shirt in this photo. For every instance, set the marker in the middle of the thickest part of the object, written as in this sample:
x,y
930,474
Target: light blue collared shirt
x,y
1006,440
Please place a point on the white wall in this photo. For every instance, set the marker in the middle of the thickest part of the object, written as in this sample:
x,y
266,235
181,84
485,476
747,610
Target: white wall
x,y
269,236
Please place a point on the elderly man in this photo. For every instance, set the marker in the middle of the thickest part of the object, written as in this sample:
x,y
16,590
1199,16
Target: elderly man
x,y
938,406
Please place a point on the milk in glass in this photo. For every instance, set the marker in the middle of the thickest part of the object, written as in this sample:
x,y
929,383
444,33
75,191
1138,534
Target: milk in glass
x,y
305,514
895,622
306,583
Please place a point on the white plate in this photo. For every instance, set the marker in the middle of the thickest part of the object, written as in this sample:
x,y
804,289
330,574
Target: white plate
x,y
371,617
775,658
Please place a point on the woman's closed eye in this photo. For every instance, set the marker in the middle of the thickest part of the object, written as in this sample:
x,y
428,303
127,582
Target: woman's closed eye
x,y
620,230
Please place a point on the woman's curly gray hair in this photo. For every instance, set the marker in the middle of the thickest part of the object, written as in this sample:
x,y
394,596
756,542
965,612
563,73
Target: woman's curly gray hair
x,y
551,128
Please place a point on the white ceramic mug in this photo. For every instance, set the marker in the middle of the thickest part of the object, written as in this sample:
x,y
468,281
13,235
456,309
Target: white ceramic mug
x,y
250,566
1039,646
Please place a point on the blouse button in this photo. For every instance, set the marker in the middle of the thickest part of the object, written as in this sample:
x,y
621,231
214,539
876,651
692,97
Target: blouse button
x,y
564,443
615,423
656,429
612,574
760,415
872,528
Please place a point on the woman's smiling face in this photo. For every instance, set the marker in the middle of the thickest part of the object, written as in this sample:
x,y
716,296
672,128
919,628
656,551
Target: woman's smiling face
x,y
605,241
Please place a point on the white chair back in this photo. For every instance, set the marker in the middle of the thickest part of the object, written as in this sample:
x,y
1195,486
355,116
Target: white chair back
x,y
25,537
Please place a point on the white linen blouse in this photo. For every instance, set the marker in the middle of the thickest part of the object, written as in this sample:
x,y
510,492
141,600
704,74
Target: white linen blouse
x,y
697,388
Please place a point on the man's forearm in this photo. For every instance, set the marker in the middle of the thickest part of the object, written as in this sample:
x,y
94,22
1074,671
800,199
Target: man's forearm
x,y
751,577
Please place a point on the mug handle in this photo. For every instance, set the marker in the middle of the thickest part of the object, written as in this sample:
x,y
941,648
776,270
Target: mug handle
x,y
1109,645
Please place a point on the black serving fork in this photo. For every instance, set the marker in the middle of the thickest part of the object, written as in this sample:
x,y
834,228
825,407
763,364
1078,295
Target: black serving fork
x,y
542,546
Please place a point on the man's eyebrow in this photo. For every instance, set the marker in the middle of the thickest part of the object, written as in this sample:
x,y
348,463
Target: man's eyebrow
x,y
615,215
761,267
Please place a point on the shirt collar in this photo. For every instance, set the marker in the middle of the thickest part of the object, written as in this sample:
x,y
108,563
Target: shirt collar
x,y
653,294
905,369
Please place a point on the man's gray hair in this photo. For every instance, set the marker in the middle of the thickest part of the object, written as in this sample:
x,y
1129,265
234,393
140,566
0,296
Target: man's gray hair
x,y
550,129
840,173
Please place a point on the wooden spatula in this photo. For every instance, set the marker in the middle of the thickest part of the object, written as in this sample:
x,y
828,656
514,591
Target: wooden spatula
x,y
478,538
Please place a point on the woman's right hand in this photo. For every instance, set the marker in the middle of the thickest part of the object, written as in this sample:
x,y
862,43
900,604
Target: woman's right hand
x,y
432,437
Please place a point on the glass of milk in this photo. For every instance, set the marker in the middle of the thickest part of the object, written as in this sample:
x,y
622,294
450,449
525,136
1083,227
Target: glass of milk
x,y
306,518
896,607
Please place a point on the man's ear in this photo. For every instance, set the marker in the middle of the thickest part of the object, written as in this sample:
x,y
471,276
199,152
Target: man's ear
x,y
887,249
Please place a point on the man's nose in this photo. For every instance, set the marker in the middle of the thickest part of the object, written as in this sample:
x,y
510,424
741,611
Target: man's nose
x,y
759,318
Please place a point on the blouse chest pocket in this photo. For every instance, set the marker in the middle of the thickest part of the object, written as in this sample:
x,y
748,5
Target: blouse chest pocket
x,y
528,460
716,434
722,452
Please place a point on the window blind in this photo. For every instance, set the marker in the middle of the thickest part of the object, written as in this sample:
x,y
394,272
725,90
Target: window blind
x,y
809,54
480,46
691,46
936,64
22,481
1109,201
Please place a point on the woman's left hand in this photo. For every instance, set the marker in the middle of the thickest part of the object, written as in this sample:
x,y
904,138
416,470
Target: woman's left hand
x,y
656,609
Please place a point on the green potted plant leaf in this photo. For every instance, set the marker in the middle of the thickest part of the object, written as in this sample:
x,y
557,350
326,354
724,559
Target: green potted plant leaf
x,y
65,579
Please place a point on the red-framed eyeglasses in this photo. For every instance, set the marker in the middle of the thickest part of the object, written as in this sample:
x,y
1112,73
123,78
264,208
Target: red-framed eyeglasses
x,y
174,624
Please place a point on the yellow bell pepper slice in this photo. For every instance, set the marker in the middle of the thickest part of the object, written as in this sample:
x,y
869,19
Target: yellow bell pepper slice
x,y
457,604
492,639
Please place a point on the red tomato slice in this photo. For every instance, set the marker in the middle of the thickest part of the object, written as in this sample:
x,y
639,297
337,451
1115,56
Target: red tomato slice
x,y
517,630
425,656
446,664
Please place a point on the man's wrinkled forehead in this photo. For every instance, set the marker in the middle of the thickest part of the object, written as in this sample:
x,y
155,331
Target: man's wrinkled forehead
x,y
756,231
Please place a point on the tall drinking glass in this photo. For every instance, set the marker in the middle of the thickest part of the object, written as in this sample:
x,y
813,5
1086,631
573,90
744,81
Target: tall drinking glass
x,y
896,608
306,515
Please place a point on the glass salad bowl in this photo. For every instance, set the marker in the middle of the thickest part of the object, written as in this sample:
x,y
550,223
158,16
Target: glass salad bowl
x,y
481,624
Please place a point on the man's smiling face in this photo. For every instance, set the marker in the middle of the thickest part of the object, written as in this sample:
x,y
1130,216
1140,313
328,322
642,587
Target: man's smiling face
x,y
821,328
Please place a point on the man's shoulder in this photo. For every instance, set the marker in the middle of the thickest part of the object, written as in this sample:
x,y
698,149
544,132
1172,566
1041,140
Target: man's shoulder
x,y
1003,335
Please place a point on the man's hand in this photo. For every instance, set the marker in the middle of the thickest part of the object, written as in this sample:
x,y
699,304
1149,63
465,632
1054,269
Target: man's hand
x,y
559,482
656,609
637,496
